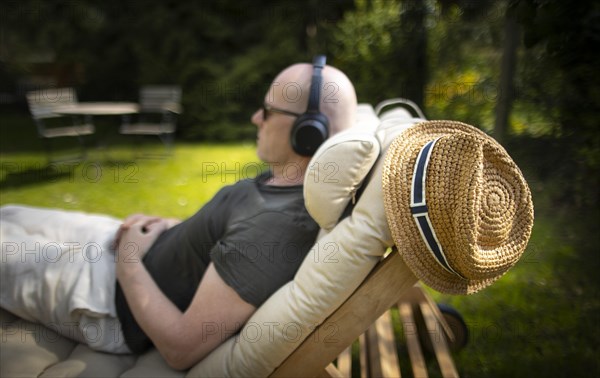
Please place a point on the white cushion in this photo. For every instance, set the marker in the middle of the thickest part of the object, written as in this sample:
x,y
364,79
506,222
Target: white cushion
x,y
335,173
366,117
390,128
396,113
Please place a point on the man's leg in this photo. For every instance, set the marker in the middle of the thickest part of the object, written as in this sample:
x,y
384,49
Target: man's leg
x,y
57,268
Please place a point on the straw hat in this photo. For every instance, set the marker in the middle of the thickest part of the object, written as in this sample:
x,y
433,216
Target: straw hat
x,y
463,216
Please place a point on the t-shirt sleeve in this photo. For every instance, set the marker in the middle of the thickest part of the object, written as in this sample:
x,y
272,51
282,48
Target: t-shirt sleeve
x,y
261,254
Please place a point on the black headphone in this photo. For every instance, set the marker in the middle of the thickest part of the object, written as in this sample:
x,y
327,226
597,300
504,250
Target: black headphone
x,y
311,128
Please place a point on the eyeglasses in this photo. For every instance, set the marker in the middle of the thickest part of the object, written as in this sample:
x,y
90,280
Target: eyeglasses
x,y
268,108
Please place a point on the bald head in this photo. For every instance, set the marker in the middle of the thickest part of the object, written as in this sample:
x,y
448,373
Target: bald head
x,y
291,90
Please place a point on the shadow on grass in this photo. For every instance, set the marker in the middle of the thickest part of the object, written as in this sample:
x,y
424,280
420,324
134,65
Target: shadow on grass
x,y
31,175
16,175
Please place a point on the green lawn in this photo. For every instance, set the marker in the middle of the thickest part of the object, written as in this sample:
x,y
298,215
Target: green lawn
x,y
541,319
116,179
112,182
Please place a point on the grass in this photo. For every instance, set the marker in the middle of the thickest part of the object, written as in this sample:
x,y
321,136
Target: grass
x,y
117,180
112,183
541,319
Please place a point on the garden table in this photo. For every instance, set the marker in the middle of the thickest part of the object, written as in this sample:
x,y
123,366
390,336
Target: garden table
x,y
102,108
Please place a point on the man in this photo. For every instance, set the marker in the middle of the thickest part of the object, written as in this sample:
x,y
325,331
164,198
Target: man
x,y
176,281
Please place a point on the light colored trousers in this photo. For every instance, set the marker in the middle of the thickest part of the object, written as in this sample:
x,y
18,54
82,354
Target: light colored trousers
x,y
58,269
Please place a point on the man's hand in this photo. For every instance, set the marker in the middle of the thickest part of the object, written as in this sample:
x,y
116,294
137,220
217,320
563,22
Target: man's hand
x,y
136,240
146,220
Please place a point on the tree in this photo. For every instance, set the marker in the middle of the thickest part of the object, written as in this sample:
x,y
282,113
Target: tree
x,y
381,45
414,51
223,53
507,74
562,78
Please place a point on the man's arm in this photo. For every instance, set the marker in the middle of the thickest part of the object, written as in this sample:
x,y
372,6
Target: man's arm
x,y
182,338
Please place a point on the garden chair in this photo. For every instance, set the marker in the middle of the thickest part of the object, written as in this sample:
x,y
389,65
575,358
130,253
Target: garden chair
x,y
159,107
351,276
301,337
42,106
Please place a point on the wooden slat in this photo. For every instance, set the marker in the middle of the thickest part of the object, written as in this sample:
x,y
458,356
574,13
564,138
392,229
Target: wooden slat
x,y
412,340
374,362
438,340
364,360
158,98
344,362
42,102
438,315
417,295
390,366
331,372
380,290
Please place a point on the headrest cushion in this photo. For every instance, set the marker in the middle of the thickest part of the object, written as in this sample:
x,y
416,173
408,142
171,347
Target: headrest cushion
x,y
335,173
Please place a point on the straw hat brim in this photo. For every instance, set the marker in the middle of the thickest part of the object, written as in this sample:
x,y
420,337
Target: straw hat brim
x,y
480,207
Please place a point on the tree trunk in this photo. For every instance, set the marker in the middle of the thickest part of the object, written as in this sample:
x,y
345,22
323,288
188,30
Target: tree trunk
x,y
414,51
506,88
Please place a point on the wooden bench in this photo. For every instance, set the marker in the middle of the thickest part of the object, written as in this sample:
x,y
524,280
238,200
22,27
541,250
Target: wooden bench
x,y
379,346
369,312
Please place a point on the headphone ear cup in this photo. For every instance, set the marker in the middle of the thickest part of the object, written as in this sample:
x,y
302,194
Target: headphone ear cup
x,y
308,133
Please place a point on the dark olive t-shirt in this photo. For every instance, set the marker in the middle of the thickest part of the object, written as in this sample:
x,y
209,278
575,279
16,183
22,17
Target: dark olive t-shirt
x,y
255,234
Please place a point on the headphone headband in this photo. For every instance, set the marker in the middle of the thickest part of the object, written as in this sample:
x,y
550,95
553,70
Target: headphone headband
x,y
315,86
